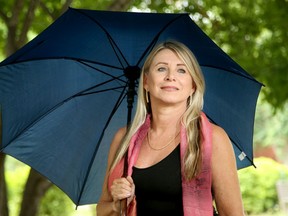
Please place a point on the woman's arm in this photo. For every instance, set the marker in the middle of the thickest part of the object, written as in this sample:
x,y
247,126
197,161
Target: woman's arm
x,y
106,204
225,183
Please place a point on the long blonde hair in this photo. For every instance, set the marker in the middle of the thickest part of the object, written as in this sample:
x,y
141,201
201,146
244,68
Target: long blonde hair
x,y
191,117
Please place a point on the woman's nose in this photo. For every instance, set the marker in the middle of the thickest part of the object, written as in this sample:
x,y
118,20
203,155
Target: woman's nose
x,y
170,76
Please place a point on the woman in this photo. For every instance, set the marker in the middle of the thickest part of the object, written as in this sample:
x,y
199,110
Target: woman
x,y
177,160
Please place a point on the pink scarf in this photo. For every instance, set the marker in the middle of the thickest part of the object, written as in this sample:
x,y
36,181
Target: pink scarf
x,y
196,194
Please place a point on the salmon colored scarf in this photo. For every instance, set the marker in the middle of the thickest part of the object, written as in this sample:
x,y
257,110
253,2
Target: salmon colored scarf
x,y
196,193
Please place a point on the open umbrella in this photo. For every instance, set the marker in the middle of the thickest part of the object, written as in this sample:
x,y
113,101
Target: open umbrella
x,y
65,93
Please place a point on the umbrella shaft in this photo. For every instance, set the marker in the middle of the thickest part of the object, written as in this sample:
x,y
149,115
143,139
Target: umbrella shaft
x,y
130,99
123,205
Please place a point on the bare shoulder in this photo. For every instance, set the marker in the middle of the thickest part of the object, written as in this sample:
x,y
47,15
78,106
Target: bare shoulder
x,y
221,141
218,132
120,133
117,139
222,150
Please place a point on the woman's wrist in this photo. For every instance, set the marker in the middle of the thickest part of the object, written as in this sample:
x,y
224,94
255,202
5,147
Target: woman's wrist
x,y
116,206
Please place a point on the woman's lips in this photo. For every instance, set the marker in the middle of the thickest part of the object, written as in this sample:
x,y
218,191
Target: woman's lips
x,y
169,88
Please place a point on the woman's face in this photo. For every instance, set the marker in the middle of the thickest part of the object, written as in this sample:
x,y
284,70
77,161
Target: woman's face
x,y
168,80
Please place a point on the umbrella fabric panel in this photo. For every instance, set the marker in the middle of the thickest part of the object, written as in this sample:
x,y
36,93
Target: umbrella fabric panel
x,y
50,145
46,86
97,37
178,27
93,186
60,40
239,100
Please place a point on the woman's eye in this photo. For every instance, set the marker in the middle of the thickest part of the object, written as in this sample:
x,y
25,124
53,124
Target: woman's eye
x,y
181,71
161,69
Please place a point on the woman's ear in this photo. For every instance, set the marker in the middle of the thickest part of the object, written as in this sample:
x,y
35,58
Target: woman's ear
x,y
193,89
145,84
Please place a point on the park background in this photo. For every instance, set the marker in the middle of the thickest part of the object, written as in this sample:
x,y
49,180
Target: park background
x,y
253,33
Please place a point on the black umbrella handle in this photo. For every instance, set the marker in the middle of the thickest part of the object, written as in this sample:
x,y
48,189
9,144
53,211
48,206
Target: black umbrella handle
x,y
123,205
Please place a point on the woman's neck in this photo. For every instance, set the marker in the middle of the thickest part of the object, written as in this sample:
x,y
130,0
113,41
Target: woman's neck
x,y
166,119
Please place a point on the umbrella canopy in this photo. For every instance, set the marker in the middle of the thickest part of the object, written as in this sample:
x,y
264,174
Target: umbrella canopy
x,y
65,93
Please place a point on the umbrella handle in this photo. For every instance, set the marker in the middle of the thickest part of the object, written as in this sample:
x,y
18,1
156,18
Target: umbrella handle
x,y
123,205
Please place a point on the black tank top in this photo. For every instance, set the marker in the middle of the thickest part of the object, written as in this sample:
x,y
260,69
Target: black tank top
x,y
158,188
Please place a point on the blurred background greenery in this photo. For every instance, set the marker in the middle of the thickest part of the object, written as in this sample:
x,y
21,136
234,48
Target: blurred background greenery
x,y
253,33
258,188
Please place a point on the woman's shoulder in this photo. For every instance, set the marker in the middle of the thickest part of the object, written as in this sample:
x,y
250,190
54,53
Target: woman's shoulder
x,y
121,132
219,136
118,137
218,131
222,146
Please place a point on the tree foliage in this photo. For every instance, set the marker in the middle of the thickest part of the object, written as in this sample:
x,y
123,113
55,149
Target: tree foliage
x,y
258,186
252,32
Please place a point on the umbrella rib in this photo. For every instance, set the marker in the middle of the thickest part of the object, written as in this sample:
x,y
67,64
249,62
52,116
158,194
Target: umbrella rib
x,y
234,72
90,88
114,77
81,93
63,58
154,41
113,47
94,62
117,104
112,42
100,91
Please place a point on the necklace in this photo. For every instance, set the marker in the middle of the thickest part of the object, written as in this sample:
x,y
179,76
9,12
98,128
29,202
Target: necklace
x,y
163,147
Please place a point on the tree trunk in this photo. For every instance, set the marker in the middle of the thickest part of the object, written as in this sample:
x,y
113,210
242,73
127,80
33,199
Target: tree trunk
x,y
36,187
3,188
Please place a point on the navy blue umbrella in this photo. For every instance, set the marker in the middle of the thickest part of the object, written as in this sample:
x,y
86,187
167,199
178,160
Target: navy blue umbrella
x,y
65,93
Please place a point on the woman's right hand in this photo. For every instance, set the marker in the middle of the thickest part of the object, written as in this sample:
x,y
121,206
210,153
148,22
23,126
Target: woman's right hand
x,y
122,188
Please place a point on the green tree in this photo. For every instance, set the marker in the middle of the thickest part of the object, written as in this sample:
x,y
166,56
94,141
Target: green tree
x,y
271,129
258,186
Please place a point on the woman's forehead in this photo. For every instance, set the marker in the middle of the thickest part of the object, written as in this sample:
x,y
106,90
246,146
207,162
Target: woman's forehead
x,y
166,56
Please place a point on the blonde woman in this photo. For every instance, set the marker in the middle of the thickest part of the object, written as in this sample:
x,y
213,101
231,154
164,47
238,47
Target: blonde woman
x,y
178,161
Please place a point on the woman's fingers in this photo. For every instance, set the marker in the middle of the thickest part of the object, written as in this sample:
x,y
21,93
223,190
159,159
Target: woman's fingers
x,y
122,188
130,180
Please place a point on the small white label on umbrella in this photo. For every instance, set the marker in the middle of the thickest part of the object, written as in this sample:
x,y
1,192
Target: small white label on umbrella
x,y
242,156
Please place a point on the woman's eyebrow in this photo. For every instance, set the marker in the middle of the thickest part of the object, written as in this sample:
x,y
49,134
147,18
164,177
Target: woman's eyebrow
x,y
165,63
